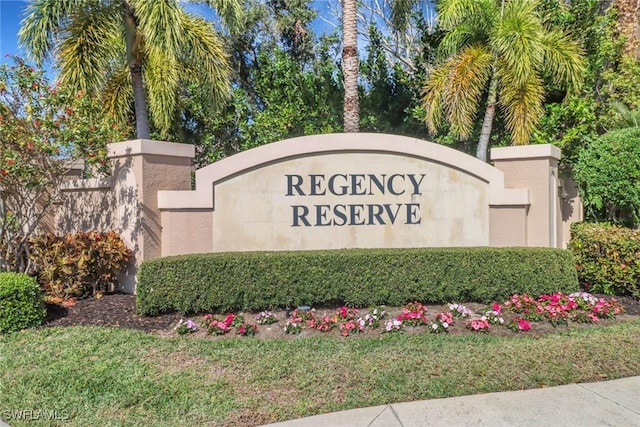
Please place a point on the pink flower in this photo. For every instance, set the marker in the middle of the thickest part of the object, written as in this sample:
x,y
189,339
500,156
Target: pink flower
x,y
524,325
229,319
496,307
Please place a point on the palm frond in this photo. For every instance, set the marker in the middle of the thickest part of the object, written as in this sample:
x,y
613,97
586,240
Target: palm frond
x,y
118,94
204,51
162,80
563,58
159,21
469,73
453,40
230,11
521,104
43,23
629,118
90,41
433,94
477,13
516,39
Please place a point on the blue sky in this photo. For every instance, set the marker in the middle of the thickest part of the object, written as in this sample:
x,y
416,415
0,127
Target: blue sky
x,y
10,17
11,13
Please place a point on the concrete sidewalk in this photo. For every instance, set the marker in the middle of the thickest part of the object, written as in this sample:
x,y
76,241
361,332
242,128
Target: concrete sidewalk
x,y
606,403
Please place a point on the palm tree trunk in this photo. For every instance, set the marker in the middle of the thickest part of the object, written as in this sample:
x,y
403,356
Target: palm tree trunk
x,y
140,103
133,41
350,66
629,25
487,123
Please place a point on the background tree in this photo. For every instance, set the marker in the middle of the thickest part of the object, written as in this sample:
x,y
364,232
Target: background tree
x,y
43,131
131,50
573,122
286,82
506,49
608,171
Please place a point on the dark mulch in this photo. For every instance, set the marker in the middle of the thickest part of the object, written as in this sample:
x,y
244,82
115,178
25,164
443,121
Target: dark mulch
x,y
110,310
120,310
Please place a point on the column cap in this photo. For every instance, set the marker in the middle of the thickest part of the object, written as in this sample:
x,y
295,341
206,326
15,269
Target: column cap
x,y
522,152
147,146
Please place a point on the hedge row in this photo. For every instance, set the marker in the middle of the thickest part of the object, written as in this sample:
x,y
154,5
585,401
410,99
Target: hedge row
x,y
607,258
21,304
358,277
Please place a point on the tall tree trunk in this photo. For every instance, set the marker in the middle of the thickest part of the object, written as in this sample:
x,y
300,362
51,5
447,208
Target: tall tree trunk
x,y
487,122
133,41
350,66
629,25
140,102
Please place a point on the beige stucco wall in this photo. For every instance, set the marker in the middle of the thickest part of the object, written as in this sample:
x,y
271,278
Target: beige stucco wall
x,y
279,197
571,207
254,212
254,206
508,226
86,204
535,167
127,201
187,231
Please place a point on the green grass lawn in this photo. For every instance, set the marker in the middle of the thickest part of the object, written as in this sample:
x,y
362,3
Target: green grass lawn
x,y
109,376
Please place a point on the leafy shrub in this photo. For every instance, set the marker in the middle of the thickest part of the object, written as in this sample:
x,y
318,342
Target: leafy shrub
x,y
358,277
21,304
79,264
608,171
607,258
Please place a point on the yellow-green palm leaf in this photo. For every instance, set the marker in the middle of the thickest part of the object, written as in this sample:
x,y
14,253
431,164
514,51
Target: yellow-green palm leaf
x,y
521,104
501,48
91,41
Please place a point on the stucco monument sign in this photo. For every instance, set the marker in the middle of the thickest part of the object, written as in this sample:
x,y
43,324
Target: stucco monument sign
x,y
323,192
347,191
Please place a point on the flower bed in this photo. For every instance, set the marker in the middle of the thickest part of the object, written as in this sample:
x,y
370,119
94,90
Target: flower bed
x,y
519,313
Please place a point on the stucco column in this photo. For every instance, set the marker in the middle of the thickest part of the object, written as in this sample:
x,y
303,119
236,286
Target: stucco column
x,y
140,168
535,167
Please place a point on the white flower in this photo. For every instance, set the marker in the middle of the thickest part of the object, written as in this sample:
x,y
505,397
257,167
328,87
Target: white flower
x,y
434,326
445,325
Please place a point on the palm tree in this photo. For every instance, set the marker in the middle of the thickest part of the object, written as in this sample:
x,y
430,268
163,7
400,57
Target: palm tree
x,y
350,66
131,49
503,49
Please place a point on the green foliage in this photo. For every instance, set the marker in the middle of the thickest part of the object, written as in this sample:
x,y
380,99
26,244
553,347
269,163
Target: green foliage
x,y
359,277
607,258
622,92
79,264
610,80
388,93
44,129
21,304
608,172
571,125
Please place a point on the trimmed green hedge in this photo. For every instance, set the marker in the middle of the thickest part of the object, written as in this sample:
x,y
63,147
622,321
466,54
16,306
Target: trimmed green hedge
x,y
358,277
21,304
607,258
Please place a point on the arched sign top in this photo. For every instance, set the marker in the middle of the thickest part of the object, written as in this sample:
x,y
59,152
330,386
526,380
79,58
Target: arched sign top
x,y
313,145
346,142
